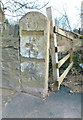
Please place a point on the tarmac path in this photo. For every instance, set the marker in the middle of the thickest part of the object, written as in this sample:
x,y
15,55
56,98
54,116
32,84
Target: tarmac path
x,y
61,104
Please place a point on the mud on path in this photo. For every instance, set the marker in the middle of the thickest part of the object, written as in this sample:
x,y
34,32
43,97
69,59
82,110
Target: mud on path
x,y
7,94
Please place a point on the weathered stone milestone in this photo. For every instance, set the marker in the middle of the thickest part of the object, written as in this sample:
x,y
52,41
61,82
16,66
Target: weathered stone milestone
x,y
34,50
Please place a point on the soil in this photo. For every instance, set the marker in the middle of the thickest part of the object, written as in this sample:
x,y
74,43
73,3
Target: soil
x,y
74,80
7,94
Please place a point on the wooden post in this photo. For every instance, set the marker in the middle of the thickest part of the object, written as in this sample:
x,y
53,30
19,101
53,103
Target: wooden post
x,y
71,52
53,45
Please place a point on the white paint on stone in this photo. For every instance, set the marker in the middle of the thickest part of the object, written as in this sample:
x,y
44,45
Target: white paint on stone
x,y
23,66
34,50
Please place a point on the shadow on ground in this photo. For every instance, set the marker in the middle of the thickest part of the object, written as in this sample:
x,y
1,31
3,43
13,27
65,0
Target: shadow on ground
x,y
61,104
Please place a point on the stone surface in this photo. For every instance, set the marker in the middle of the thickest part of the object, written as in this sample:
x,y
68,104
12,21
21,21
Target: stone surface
x,y
10,62
34,50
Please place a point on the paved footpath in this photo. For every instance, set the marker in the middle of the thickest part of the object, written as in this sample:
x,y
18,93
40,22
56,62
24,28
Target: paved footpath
x,y
61,104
